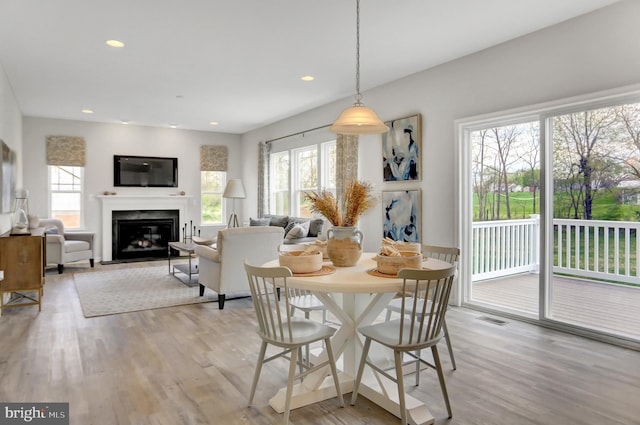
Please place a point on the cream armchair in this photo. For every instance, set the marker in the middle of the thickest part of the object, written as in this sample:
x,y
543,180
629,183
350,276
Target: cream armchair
x,y
66,247
222,269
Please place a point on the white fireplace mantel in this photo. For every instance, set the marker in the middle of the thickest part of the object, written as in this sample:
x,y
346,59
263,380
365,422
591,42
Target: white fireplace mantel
x,y
112,203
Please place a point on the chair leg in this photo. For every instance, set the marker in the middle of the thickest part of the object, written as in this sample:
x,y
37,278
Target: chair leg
x,y
334,371
91,262
256,375
400,381
417,353
443,386
201,289
306,347
292,375
448,341
221,298
363,359
60,268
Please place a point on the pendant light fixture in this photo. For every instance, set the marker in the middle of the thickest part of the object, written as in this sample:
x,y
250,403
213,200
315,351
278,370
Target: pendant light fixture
x,y
358,119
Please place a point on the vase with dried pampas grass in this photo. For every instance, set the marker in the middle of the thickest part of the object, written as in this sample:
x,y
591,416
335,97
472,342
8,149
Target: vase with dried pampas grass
x,y
344,240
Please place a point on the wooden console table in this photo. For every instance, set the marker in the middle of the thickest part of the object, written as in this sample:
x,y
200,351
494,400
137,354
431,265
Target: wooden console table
x,y
22,258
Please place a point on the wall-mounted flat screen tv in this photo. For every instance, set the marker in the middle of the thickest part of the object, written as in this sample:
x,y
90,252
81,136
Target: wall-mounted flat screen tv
x,y
144,171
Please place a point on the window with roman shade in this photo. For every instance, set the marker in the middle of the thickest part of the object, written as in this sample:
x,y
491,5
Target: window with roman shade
x,y
213,179
66,158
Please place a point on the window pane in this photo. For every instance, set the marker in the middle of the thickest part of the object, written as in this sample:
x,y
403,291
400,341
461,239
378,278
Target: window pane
x,y
329,166
281,203
307,166
212,181
281,171
305,205
66,178
66,193
66,207
212,185
211,208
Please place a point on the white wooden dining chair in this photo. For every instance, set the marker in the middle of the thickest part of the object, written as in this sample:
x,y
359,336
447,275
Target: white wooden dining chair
x,y
302,299
425,294
276,326
451,256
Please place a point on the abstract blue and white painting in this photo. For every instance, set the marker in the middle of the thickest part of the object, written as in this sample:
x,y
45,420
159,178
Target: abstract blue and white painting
x,y
401,215
401,150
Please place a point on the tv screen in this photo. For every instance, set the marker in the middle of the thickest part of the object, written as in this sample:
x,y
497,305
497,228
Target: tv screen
x,y
145,171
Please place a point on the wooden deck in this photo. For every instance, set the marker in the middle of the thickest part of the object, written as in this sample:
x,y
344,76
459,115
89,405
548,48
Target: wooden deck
x,y
602,306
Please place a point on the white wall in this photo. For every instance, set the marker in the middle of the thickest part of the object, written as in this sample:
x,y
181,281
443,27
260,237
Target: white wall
x,y
590,53
10,133
105,140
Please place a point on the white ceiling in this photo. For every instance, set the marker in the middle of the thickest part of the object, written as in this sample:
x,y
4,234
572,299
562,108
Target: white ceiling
x,y
238,62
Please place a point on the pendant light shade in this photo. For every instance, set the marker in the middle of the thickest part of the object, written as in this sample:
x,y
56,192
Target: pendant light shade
x,y
358,119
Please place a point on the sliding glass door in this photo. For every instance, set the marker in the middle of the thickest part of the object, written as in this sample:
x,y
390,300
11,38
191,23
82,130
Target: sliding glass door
x,y
550,216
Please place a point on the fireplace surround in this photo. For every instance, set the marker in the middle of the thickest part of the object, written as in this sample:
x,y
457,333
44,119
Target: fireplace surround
x,y
143,234
114,203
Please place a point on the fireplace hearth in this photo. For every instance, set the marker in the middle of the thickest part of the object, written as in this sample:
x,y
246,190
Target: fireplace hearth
x,y
139,235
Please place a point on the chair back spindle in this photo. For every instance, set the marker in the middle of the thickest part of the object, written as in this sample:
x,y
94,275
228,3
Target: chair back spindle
x,y
425,295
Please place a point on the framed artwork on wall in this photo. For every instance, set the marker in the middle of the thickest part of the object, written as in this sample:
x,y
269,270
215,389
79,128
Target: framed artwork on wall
x,y
7,178
401,149
401,215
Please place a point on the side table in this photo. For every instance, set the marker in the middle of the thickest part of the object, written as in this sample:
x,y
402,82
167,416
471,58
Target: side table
x,y
189,269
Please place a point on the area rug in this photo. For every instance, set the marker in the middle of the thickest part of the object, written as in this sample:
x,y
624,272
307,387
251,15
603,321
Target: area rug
x,y
133,289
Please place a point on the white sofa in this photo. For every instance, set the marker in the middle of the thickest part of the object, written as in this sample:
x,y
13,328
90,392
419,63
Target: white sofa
x,y
222,269
66,247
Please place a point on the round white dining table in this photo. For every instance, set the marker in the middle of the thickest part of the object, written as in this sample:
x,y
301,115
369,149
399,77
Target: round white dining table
x,y
356,298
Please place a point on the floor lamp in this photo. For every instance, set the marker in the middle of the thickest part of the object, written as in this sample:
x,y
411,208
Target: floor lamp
x,y
234,190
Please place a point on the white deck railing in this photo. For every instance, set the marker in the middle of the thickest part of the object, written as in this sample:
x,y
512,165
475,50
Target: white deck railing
x,y
585,248
505,247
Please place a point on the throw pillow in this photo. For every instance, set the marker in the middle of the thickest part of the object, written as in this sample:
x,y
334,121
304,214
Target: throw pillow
x,y
298,230
278,220
288,228
53,230
315,227
259,221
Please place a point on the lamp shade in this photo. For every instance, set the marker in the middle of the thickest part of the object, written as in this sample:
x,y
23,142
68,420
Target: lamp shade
x,y
234,189
358,119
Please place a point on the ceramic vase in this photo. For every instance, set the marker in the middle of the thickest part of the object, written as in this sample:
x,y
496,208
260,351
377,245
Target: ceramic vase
x,y
344,246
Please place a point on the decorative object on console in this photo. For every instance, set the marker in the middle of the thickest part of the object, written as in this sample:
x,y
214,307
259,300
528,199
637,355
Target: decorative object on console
x,y
20,215
358,119
344,246
234,190
401,150
401,215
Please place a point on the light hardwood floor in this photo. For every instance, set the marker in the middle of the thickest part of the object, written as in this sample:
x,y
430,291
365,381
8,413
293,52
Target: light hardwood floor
x,y
194,364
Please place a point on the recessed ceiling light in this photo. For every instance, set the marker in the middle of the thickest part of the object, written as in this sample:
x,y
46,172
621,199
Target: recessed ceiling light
x,y
214,123
124,121
308,78
87,111
114,43
173,125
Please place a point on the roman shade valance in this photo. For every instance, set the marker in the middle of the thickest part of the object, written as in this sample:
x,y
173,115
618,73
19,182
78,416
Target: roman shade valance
x,y
66,151
213,158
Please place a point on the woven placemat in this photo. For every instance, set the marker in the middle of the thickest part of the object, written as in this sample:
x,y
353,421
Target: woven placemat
x,y
323,271
375,272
